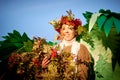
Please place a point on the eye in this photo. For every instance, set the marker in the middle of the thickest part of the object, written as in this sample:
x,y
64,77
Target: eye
x,y
63,28
71,28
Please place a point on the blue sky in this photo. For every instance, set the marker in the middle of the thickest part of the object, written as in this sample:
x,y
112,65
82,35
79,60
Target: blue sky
x,y
32,16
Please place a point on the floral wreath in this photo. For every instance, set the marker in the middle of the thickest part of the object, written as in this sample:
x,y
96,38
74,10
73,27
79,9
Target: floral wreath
x,y
70,20
67,19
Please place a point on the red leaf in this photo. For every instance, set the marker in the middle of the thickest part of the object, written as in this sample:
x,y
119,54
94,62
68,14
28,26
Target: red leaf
x,y
54,53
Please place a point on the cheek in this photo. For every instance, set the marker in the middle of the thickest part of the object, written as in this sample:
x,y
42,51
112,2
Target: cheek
x,y
73,33
61,33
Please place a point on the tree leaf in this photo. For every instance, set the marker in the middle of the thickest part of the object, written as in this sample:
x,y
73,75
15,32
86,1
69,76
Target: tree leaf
x,y
10,35
5,37
117,24
93,20
87,15
52,43
25,37
28,46
108,25
17,33
101,21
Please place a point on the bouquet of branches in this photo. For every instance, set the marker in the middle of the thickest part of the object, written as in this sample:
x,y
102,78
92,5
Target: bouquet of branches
x,y
28,64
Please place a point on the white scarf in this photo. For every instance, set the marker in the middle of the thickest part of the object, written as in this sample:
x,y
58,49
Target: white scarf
x,y
74,49
75,45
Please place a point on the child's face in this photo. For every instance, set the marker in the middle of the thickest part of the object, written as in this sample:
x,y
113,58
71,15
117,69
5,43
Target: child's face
x,y
67,32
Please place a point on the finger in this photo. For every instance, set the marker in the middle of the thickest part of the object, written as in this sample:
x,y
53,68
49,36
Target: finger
x,y
45,58
45,64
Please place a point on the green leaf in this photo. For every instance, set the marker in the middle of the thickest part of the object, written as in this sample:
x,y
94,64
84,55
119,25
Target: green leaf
x,y
28,46
101,11
13,37
87,15
108,25
16,33
93,20
18,45
105,12
114,42
101,21
105,69
10,34
52,43
13,42
117,24
25,37
5,37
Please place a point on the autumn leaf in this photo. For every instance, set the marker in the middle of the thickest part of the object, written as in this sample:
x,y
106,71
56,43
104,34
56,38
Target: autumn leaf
x,y
54,53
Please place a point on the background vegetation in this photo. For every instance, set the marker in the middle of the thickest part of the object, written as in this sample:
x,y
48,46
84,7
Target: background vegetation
x,y
102,39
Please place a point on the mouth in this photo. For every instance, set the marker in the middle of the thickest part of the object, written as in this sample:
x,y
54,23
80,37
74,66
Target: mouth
x,y
66,35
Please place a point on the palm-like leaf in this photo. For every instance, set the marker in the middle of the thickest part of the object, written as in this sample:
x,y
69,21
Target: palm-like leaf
x,y
109,31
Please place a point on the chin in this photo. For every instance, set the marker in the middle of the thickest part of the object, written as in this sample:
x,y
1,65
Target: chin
x,y
67,39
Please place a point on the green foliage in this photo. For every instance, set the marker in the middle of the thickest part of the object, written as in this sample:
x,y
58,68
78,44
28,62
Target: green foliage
x,y
84,35
52,43
103,69
106,20
112,42
87,38
27,47
103,62
87,15
108,31
14,41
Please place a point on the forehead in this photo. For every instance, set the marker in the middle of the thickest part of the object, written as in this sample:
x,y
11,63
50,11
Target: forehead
x,y
67,26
